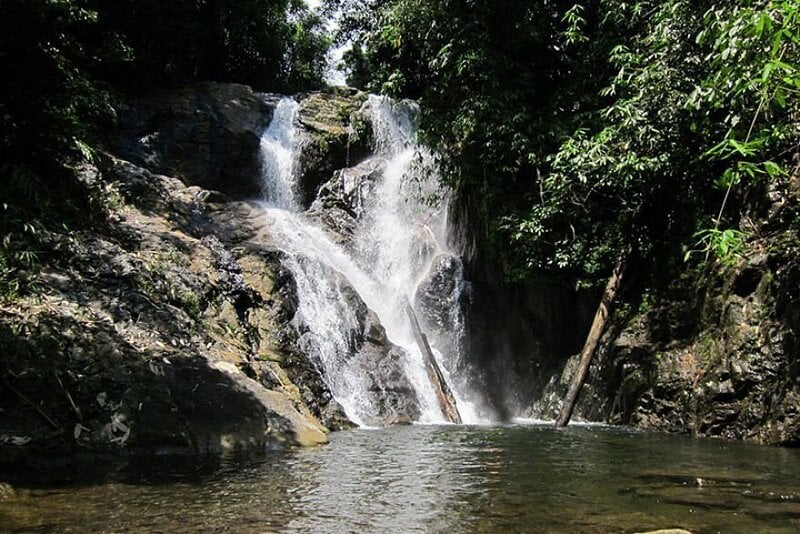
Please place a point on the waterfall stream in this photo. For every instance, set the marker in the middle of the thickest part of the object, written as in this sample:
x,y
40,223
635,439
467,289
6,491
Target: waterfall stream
x,y
400,236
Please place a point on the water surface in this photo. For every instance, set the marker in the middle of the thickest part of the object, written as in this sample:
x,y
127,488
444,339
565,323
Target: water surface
x,y
429,479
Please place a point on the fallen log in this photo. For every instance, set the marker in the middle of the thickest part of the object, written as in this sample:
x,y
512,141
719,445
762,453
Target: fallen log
x,y
447,402
601,318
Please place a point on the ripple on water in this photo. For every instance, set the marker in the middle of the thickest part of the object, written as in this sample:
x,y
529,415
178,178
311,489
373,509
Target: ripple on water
x,y
515,478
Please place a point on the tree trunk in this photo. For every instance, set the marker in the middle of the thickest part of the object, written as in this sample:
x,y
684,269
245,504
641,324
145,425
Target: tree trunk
x,y
601,318
447,402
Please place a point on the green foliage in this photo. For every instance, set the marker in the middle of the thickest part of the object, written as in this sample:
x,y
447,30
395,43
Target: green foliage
x,y
16,255
578,128
275,45
64,59
9,284
726,245
46,102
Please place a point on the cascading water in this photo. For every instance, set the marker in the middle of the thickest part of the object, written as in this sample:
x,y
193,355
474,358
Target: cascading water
x,y
401,233
277,155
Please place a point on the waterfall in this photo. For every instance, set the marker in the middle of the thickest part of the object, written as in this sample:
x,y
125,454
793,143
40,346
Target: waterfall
x,y
401,232
277,156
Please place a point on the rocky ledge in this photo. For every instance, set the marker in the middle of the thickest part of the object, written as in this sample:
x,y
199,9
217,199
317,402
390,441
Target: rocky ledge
x,y
171,325
716,355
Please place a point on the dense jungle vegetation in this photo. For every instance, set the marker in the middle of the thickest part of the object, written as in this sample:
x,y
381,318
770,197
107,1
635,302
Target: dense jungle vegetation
x,y
65,61
578,130
575,130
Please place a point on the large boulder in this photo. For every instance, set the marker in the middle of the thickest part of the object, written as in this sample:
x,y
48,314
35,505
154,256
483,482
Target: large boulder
x,y
380,362
205,134
333,135
341,200
439,305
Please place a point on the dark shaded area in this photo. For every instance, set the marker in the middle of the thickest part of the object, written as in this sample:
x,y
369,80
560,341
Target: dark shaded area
x,y
205,134
96,379
519,337
67,63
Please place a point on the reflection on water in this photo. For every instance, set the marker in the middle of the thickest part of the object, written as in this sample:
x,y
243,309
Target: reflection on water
x,y
428,479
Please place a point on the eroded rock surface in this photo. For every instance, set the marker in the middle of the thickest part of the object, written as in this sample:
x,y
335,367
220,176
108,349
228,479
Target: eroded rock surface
x,y
172,324
341,200
332,136
716,357
153,333
205,134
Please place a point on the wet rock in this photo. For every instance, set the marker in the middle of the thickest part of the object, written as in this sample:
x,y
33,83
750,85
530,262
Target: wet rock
x,y
341,200
438,293
440,308
389,385
381,362
332,136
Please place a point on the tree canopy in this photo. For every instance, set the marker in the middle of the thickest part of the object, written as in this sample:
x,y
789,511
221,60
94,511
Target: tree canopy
x,y
578,128
65,62
65,59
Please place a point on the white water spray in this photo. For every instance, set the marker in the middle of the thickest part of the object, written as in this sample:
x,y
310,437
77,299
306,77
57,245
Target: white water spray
x,y
402,229
277,156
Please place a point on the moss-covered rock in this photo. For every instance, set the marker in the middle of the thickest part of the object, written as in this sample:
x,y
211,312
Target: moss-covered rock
x,y
333,136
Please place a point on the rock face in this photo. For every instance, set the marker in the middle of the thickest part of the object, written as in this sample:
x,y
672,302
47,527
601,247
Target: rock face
x,y
340,201
717,355
173,325
381,362
205,134
734,373
518,338
333,136
153,334
438,296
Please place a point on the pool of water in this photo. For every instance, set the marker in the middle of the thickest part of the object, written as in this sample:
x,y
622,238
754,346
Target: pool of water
x,y
517,478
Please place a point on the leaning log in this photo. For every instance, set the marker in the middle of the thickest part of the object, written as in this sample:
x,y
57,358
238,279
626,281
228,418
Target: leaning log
x,y
601,318
447,402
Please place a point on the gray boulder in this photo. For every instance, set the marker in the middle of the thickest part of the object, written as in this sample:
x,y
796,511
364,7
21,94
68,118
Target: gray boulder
x,y
333,135
205,134
340,202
